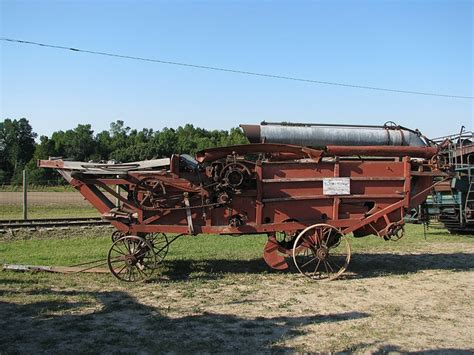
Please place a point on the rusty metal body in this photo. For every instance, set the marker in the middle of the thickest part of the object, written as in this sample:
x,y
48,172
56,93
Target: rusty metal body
x,y
276,189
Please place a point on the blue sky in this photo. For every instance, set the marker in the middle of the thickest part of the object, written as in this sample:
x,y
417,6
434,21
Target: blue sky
x,y
411,45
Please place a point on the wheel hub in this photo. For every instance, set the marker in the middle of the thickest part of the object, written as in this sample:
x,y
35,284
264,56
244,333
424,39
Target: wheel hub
x,y
131,259
322,253
235,178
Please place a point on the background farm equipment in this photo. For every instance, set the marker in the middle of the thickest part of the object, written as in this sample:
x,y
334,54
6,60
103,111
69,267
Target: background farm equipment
x,y
306,198
451,202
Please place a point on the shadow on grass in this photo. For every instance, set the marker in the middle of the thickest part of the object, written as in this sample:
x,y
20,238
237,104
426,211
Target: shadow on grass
x,y
380,349
114,321
431,232
386,349
372,265
362,265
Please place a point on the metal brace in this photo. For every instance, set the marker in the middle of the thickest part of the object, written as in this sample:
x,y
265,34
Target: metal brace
x,y
188,214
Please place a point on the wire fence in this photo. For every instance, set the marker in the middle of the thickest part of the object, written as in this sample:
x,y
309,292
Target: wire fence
x,y
44,199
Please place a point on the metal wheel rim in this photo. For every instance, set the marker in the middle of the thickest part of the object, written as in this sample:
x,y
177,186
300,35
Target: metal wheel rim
x,y
131,247
160,244
306,255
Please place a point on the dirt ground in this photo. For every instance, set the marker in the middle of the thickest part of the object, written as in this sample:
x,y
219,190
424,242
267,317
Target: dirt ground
x,y
420,301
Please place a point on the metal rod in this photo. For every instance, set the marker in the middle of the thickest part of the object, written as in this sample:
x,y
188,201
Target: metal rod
x,y
25,194
88,263
387,151
117,191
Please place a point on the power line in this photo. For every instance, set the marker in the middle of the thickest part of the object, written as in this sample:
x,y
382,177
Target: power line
x,y
235,71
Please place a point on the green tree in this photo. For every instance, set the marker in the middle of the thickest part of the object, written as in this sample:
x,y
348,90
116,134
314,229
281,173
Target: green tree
x,y
44,150
17,145
18,148
77,144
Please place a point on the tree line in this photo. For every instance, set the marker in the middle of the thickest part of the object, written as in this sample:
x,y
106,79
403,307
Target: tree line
x,y
19,148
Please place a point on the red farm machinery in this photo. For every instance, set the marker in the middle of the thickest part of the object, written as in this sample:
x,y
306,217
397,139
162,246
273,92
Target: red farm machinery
x,y
305,186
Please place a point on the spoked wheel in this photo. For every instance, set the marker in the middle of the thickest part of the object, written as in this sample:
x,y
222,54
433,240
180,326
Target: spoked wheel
x,y
132,259
160,244
321,252
149,194
286,239
395,232
116,235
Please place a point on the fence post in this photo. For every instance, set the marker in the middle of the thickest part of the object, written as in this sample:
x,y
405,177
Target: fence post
x,y
25,194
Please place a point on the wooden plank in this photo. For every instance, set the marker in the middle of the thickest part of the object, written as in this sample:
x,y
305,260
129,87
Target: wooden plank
x,y
58,269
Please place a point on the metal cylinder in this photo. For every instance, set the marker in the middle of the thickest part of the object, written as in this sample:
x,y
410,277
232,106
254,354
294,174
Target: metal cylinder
x,y
321,135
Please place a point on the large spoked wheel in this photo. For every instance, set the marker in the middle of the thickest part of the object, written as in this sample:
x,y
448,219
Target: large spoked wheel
x,y
160,244
321,252
132,259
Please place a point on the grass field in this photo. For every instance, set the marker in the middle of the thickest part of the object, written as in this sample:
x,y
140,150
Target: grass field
x,y
37,188
215,294
94,244
55,211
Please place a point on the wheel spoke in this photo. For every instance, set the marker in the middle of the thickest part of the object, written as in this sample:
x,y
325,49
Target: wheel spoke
x,y
336,264
123,267
302,266
329,265
317,266
138,256
140,271
153,189
117,250
160,250
317,236
146,198
127,244
129,274
326,267
119,246
117,259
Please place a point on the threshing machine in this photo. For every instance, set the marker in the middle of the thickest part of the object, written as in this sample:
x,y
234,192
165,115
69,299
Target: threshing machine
x,y
305,186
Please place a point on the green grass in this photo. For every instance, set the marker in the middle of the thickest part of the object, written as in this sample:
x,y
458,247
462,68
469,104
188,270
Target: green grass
x,y
191,250
415,237
16,212
37,188
93,245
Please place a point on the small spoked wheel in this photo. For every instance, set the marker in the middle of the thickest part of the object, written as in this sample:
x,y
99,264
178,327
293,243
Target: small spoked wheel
x,y
160,244
286,239
395,232
321,252
116,235
132,259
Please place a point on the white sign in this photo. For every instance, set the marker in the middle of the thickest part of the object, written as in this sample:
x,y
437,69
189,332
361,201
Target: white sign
x,y
337,186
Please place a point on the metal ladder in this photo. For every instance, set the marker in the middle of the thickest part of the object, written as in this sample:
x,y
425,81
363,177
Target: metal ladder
x,y
469,204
